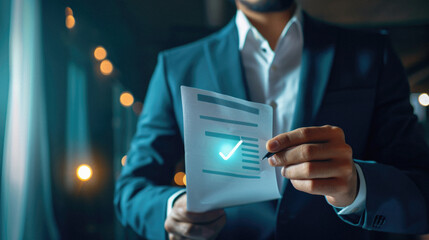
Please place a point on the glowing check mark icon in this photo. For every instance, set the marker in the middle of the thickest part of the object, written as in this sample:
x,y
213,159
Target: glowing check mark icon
x,y
232,151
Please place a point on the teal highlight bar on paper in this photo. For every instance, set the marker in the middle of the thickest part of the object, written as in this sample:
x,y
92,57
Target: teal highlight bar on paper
x,y
250,161
228,121
249,150
249,139
222,135
227,103
250,144
229,174
250,155
251,168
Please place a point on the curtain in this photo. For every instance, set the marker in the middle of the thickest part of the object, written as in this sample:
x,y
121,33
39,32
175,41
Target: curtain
x,y
26,199
78,147
4,72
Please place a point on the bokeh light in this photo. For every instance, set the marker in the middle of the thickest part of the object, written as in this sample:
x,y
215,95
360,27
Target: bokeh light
x,y
124,160
70,21
126,99
106,67
184,180
69,11
84,172
178,178
424,99
100,53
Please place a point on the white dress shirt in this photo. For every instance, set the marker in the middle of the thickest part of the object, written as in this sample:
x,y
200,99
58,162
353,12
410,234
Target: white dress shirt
x,y
273,78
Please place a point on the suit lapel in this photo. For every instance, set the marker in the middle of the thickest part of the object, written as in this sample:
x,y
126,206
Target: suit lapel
x,y
225,65
317,57
223,57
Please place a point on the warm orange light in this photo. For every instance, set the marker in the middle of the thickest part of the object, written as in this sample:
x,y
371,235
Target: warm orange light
x,y
124,160
178,178
106,67
70,22
184,180
84,172
100,53
69,11
126,99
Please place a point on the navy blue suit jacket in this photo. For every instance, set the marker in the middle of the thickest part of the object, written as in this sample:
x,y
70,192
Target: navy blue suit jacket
x,y
349,79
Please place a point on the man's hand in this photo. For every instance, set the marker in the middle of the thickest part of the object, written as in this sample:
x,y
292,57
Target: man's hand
x,y
181,224
318,161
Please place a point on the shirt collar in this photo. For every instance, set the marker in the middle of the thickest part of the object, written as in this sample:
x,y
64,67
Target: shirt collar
x,y
244,26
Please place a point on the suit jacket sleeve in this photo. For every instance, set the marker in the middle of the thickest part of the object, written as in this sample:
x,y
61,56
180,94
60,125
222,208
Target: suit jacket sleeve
x,y
142,190
398,179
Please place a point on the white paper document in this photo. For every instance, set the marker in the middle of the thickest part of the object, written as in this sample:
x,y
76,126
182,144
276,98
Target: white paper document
x,y
225,141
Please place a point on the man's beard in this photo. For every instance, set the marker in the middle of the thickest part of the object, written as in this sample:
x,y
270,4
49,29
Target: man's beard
x,y
267,5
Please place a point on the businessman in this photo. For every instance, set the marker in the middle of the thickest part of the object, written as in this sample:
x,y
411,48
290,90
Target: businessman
x,y
354,162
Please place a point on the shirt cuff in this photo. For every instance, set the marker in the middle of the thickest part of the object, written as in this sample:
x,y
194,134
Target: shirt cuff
x,y
358,205
172,199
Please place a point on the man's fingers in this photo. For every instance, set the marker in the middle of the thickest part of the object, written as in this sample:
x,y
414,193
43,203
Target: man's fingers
x,y
171,226
182,224
310,152
318,161
304,135
178,230
182,215
186,230
175,237
317,169
327,186
192,231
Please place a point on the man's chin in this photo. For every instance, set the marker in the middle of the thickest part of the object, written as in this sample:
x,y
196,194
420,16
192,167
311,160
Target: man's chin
x,y
267,5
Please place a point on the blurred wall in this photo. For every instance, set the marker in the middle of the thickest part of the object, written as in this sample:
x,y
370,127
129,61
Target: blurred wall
x,y
407,22
369,12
